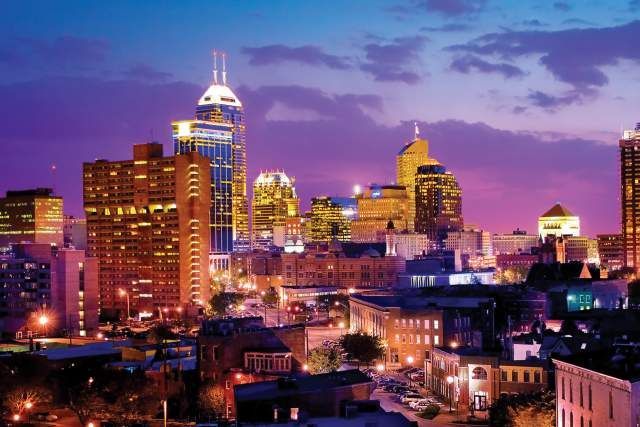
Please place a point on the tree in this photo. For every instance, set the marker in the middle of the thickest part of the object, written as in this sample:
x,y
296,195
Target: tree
x,y
520,410
362,347
87,405
322,360
512,274
23,398
634,293
220,303
211,400
569,327
270,297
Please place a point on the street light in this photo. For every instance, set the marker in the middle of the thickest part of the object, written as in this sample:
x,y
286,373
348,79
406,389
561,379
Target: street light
x,y
410,363
27,406
43,320
341,326
380,367
450,382
124,293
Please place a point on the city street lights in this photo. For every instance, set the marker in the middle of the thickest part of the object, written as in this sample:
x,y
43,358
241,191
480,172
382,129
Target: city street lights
x,y
450,382
43,320
410,363
27,407
122,294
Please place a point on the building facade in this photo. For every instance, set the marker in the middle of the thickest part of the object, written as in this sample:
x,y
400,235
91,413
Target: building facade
x,y
75,232
515,243
378,206
611,251
274,200
629,196
148,225
31,216
220,105
470,241
407,245
331,218
559,222
438,202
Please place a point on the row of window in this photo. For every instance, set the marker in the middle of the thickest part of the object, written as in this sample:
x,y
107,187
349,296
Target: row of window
x,y
504,376
410,323
408,339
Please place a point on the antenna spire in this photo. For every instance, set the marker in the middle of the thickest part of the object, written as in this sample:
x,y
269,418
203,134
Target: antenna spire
x,y
224,68
416,130
215,67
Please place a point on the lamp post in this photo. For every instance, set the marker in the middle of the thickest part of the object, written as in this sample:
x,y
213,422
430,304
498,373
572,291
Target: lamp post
x,y
341,326
410,363
450,382
124,293
27,406
43,320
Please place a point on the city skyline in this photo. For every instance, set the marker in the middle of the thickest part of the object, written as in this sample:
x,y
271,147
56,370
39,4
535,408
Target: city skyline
x,y
347,100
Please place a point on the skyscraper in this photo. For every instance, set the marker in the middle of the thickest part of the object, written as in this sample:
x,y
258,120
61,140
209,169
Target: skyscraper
x,y
630,196
377,206
413,154
31,216
219,104
274,200
148,225
438,202
215,142
331,217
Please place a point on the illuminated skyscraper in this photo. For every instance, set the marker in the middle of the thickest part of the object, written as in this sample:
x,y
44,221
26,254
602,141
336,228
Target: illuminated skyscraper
x,y
331,217
214,141
378,205
558,221
630,196
438,202
148,225
274,200
31,216
412,155
219,104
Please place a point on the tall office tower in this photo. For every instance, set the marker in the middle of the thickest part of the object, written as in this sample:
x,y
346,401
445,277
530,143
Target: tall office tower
x,y
558,221
438,202
630,197
215,142
377,206
219,104
274,200
31,216
331,217
148,225
412,155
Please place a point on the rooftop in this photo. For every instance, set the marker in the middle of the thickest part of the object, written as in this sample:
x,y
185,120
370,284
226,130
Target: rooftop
x,y
557,211
624,365
421,302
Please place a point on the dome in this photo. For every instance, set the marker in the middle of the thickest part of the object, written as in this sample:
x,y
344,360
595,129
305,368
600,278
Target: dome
x,y
219,94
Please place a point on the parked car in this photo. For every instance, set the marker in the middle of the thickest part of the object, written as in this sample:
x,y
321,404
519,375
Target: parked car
x,y
411,397
423,402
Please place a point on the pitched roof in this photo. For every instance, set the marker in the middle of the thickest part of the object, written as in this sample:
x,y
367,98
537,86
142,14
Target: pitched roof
x,y
557,210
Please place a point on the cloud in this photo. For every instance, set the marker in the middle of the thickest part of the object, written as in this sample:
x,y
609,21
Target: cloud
x,y
390,62
533,23
308,55
451,7
468,63
562,6
551,102
578,21
64,50
448,28
573,56
146,73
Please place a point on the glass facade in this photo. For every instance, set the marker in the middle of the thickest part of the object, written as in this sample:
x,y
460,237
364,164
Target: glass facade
x,y
214,141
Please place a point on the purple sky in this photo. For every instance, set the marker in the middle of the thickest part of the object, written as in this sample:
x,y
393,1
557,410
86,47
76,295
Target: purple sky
x,y
525,112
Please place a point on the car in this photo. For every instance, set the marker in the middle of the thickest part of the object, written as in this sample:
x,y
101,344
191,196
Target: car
x,y
421,406
423,402
411,397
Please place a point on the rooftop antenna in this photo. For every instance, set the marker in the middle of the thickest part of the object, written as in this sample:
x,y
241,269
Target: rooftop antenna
x,y
215,67
224,68
416,130
53,177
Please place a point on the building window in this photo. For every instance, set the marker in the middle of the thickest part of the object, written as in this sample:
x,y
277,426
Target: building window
x,y
410,338
404,323
436,324
536,377
581,398
589,397
411,323
503,375
570,419
417,339
514,376
426,323
396,323
610,405
417,323
397,338
581,421
527,377
436,340
571,390
479,373
563,424
426,340
404,338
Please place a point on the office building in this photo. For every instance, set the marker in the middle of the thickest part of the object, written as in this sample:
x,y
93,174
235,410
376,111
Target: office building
x,y
470,241
407,245
220,105
414,154
515,243
39,280
31,216
75,232
215,142
378,206
558,221
582,249
274,200
611,251
331,218
630,194
148,225
438,202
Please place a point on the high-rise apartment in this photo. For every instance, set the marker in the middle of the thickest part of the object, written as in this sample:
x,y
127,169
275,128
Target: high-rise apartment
x,y
377,206
413,154
215,142
331,218
148,225
274,200
31,216
438,202
219,104
630,196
